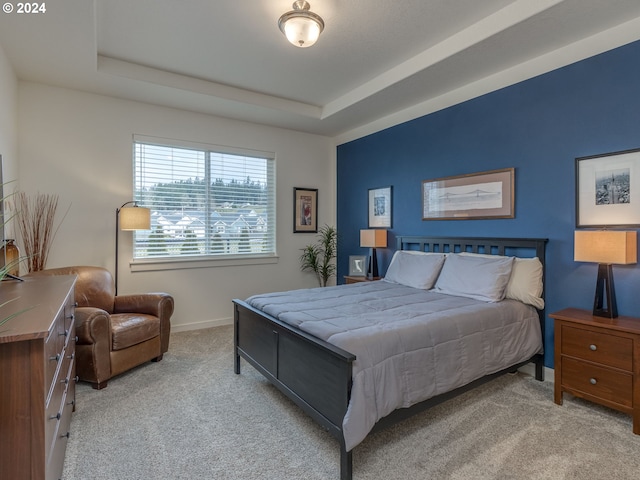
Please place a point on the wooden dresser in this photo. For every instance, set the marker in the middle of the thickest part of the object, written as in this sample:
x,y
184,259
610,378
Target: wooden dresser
x,y
37,376
598,359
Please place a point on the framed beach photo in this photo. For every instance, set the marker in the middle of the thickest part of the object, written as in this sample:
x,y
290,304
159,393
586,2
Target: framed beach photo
x,y
608,190
474,196
305,210
380,207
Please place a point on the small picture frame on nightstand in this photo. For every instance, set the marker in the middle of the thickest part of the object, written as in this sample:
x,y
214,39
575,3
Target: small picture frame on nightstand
x,y
357,265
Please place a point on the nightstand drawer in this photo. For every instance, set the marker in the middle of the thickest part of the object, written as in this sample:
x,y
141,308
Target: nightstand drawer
x,y
597,381
611,350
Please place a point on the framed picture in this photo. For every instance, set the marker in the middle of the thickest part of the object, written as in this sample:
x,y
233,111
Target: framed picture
x,y
608,190
357,265
474,196
305,210
380,207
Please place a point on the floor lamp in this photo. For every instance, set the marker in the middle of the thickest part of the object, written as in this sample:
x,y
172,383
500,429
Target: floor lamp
x,y
130,218
605,247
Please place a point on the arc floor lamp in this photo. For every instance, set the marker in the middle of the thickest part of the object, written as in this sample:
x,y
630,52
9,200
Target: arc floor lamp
x,y
129,219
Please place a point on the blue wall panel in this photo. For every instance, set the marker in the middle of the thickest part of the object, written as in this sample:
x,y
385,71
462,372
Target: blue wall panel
x,y
538,126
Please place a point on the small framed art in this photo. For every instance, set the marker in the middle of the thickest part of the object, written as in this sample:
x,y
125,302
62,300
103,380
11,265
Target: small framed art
x,y
473,196
380,207
608,190
305,210
357,265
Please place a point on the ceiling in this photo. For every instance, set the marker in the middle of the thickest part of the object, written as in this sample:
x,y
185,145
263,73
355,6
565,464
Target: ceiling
x,y
378,62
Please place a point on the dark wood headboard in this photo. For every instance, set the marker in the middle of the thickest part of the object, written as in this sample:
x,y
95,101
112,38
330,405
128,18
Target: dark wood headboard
x,y
517,247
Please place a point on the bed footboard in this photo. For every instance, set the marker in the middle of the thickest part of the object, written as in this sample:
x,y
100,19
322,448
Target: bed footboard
x,y
288,358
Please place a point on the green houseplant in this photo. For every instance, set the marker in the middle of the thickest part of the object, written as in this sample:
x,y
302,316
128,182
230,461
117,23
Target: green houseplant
x,y
318,257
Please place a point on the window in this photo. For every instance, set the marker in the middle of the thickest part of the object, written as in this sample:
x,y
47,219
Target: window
x,y
204,200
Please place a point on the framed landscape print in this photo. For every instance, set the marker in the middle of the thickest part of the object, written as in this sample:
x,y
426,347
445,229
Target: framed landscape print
x,y
474,196
380,207
305,210
608,190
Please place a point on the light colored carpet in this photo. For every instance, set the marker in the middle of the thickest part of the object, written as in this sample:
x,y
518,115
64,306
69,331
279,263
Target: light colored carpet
x,y
190,417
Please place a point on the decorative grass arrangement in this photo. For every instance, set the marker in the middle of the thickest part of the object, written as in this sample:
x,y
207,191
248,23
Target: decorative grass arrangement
x,y
35,217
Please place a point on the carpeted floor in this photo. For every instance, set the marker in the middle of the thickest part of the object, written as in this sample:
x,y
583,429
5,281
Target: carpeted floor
x,y
190,417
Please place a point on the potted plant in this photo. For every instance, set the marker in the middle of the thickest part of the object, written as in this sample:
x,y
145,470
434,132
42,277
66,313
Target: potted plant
x,y
319,257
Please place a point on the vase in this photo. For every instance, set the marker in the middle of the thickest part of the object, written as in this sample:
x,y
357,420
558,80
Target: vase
x,y
9,255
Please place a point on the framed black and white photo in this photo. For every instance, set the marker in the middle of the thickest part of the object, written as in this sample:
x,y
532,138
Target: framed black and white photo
x,y
473,196
357,265
608,190
380,207
305,210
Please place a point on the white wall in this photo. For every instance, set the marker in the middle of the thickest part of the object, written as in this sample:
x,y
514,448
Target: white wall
x,y
8,126
79,146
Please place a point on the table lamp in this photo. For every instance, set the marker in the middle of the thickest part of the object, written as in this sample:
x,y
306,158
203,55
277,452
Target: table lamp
x,y
605,247
374,238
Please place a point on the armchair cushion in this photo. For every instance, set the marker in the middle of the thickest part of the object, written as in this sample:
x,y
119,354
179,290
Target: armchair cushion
x,y
129,329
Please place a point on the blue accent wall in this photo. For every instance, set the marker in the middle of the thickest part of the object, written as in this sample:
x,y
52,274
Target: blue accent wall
x,y
539,126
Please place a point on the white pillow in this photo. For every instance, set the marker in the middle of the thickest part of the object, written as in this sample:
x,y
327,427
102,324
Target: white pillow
x,y
414,269
525,284
481,277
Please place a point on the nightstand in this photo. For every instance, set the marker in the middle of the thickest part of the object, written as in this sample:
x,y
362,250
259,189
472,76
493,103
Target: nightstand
x,y
353,279
598,359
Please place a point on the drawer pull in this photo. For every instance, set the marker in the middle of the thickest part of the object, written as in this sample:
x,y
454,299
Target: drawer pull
x,y
65,381
56,358
72,402
66,333
593,381
66,435
593,348
72,356
76,379
56,417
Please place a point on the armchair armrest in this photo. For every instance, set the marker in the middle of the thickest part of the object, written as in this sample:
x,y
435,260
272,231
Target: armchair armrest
x,y
157,304
92,326
93,344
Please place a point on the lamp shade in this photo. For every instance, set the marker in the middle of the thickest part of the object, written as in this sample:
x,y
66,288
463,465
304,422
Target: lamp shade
x,y
135,218
374,238
605,246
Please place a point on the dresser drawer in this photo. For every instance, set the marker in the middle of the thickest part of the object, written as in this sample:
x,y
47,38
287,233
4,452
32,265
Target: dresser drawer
x,y
600,382
606,349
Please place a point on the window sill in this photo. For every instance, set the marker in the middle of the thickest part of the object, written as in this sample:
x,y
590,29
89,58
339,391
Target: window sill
x,y
159,264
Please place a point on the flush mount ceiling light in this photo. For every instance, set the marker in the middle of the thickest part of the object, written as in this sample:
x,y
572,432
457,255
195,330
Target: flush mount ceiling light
x,y
301,26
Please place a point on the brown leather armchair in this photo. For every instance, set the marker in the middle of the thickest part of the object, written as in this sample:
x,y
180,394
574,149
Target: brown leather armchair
x,y
114,333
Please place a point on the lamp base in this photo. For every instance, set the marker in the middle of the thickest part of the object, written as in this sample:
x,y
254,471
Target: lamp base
x,y
372,270
605,291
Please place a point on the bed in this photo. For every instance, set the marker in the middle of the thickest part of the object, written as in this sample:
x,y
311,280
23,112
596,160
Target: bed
x,y
298,339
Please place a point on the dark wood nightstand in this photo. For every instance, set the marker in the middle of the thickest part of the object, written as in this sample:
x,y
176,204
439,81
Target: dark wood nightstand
x,y
598,359
353,279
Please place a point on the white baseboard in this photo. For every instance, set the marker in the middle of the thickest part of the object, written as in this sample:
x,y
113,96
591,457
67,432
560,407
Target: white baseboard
x,y
185,327
530,369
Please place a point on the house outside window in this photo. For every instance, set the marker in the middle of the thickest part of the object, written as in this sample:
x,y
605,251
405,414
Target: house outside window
x,y
206,201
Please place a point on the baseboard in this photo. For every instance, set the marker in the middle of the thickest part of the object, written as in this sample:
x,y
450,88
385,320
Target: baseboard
x,y
530,369
185,327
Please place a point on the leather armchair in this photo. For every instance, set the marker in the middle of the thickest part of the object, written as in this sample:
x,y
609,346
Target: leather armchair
x,y
114,333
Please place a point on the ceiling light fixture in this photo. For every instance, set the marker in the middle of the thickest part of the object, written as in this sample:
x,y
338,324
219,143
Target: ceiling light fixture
x,y
301,26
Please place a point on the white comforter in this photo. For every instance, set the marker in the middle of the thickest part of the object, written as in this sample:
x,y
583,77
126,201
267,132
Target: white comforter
x,y
410,344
